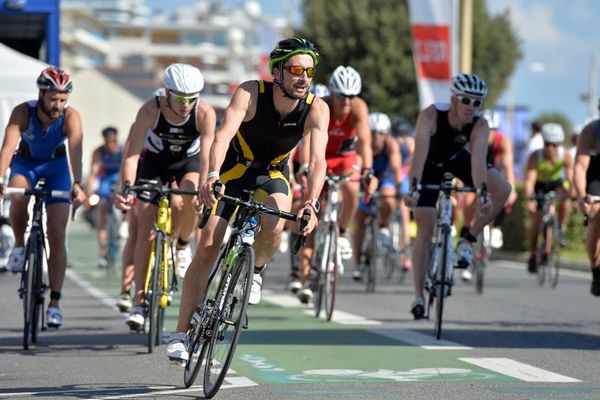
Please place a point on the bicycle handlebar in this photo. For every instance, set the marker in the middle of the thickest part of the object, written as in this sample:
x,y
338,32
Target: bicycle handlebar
x,y
10,191
155,187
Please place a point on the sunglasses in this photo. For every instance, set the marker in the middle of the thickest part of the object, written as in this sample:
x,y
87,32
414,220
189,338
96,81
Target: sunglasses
x,y
183,99
467,101
299,70
345,96
551,144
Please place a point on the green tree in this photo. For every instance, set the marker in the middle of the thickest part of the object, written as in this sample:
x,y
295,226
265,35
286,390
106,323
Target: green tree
x,y
374,37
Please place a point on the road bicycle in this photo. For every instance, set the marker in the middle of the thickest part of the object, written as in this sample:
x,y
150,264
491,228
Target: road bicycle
x,y
219,318
326,265
113,239
393,252
33,282
440,273
161,281
548,251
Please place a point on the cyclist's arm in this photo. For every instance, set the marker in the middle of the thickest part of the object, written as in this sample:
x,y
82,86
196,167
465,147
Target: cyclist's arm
x,y
393,150
315,130
144,121
530,175
363,131
94,171
479,143
568,165
508,161
585,145
206,121
425,128
243,100
74,132
12,134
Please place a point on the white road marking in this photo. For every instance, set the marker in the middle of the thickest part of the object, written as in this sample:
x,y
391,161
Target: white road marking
x,y
91,289
418,339
516,369
282,300
344,318
522,267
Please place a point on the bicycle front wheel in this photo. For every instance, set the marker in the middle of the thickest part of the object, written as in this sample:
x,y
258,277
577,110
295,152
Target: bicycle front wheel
x,y
232,301
441,287
29,298
322,257
372,264
542,261
153,295
203,320
554,258
332,268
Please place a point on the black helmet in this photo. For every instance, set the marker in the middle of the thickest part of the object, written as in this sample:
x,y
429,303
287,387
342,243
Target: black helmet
x,y
109,130
401,127
288,47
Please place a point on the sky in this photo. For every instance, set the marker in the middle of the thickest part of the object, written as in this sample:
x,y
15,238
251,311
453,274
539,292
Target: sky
x,y
558,40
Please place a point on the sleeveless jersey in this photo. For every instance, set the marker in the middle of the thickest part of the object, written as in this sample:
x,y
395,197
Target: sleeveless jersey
x,y
381,162
593,171
342,135
111,163
446,142
267,139
548,171
42,145
174,140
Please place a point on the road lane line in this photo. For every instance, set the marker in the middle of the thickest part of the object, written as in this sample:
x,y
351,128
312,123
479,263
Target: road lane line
x,y
516,369
418,339
92,290
344,318
563,271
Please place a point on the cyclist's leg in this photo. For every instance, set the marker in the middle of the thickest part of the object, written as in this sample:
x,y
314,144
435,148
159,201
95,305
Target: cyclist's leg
x,y
498,189
425,219
146,213
184,217
388,202
18,210
128,268
564,211
58,216
593,247
358,234
101,231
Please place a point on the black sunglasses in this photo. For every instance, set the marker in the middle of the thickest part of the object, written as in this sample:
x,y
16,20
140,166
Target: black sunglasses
x,y
345,96
467,101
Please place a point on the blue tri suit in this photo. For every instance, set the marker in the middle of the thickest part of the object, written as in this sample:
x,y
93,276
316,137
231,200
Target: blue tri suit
x,y
43,154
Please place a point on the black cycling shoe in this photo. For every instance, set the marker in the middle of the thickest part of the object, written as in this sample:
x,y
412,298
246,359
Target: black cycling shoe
x,y
418,308
595,286
532,266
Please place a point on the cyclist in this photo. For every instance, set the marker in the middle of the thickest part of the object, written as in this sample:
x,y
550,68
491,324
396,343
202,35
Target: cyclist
x,y
402,131
452,137
500,156
175,130
103,177
263,123
548,169
43,129
387,168
587,182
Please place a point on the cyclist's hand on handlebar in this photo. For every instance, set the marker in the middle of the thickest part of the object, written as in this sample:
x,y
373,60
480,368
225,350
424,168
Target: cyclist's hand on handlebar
x,y
209,198
122,202
312,223
531,205
584,205
78,196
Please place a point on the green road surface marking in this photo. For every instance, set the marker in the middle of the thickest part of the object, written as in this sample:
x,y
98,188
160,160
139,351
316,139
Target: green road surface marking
x,y
285,346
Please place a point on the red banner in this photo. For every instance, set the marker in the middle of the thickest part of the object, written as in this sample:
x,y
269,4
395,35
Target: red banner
x,y
433,52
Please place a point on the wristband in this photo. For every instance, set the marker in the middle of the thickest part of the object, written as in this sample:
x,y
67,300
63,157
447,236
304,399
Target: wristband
x,y
303,168
77,183
369,171
212,174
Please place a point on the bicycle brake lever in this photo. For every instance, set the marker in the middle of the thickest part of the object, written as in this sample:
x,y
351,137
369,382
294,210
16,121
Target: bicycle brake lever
x,y
301,239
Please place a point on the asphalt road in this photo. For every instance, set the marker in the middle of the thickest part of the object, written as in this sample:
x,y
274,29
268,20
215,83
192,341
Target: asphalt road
x,y
516,341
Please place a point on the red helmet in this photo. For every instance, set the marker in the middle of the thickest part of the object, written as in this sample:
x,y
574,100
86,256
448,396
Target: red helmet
x,y
55,79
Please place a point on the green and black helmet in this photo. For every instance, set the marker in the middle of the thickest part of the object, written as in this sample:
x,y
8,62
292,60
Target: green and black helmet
x,y
288,47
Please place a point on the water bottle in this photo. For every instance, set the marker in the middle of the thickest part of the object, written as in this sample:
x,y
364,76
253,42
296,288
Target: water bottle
x,y
248,233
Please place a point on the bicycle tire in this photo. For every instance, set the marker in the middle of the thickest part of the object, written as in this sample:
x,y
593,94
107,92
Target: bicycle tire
x,y
38,290
27,277
440,288
391,251
480,263
112,251
198,345
372,265
322,257
554,259
234,295
332,268
431,277
541,267
152,297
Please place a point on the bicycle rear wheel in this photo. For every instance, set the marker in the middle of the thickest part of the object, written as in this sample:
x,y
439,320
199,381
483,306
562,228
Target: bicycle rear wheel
x,y
232,301
201,320
153,295
332,269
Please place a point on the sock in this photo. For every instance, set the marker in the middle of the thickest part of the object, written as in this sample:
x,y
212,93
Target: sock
x,y
182,243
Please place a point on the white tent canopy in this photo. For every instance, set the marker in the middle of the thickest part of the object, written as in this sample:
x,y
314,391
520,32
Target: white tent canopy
x,y
18,73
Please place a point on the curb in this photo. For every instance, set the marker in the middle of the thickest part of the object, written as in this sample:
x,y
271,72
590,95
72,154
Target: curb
x,y
576,265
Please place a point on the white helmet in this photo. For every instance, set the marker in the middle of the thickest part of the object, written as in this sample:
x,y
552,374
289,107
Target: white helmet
x,y
492,118
183,78
320,90
380,122
553,133
468,84
345,81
